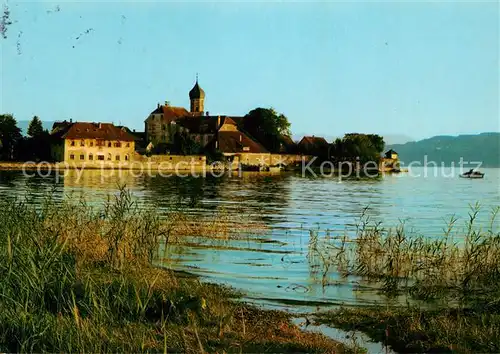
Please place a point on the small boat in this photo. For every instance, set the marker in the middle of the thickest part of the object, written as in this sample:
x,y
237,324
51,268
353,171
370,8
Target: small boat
x,y
472,174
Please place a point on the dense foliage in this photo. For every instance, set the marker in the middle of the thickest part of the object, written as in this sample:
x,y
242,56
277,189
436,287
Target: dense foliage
x,y
267,126
13,146
354,147
35,128
10,136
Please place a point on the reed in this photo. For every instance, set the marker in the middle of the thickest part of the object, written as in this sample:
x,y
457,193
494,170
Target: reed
x,y
460,267
451,284
78,278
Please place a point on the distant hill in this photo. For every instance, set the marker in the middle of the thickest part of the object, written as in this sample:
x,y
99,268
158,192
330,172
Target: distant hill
x,y
24,124
484,147
391,139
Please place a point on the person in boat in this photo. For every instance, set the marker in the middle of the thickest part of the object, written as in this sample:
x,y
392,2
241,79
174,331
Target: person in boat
x,y
471,171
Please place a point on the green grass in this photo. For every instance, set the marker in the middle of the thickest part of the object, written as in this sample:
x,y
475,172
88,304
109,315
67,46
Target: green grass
x,y
80,279
413,330
451,284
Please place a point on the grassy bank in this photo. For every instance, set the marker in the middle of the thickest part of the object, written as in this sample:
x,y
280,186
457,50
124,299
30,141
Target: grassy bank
x,y
413,330
80,279
451,285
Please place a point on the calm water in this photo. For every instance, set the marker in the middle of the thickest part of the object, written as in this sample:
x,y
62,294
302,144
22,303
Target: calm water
x,y
272,268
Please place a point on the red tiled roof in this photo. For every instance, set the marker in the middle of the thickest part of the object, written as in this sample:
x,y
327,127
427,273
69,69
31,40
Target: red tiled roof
x,y
236,141
313,140
105,131
313,145
286,140
60,128
171,113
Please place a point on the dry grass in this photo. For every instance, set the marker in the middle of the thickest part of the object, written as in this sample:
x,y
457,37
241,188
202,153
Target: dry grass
x,y
80,279
412,330
219,225
456,264
455,278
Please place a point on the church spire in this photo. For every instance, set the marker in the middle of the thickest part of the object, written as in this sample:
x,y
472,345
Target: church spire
x,y
197,97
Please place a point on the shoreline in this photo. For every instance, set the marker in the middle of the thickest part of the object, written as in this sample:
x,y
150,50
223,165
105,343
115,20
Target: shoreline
x,y
163,167
102,292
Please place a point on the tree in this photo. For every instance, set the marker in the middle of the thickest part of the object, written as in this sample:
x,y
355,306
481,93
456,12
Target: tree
x,y
10,136
267,126
183,144
35,127
354,146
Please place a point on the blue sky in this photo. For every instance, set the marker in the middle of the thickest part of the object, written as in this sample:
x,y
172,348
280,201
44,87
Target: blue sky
x,y
415,69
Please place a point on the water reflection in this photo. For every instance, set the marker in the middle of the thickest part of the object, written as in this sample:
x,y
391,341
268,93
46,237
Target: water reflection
x,y
273,266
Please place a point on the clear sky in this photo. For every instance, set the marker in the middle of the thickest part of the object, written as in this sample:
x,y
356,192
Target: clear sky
x,y
415,69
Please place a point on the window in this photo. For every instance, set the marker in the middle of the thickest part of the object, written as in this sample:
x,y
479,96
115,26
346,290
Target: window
x,y
109,145
82,157
109,156
72,143
118,144
82,143
71,157
91,157
91,143
117,157
126,157
128,144
100,157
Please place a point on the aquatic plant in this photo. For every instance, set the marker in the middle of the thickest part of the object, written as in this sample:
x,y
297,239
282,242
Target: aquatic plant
x,y
455,279
425,268
79,278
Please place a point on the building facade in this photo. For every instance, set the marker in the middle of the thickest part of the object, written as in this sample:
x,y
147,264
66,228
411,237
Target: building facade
x,y
83,142
217,132
313,145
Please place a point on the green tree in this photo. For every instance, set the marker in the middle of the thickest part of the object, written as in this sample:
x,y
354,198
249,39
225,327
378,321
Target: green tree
x,y
184,145
267,126
35,127
354,146
10,136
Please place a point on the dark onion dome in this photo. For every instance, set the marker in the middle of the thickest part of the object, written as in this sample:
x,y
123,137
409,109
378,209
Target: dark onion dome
x,y
196,92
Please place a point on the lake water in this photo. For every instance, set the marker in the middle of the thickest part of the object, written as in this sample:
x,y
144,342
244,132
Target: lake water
x,y
272,268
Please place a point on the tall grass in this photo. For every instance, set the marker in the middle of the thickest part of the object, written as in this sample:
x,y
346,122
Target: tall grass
x,y
76,278
458,273
462,267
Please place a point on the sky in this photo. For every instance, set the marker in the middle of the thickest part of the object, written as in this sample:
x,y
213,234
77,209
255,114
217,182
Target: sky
x,y
415,69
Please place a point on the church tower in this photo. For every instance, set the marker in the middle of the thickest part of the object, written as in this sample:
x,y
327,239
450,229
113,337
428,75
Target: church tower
x,y
197,97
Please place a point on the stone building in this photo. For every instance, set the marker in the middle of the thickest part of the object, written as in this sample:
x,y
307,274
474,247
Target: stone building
x,y
160,126
390,162
313,145
391,154
84,142
218,132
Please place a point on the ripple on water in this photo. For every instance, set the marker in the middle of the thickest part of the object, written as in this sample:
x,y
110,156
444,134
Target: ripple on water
x,y
273,265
